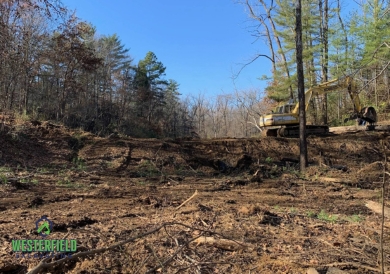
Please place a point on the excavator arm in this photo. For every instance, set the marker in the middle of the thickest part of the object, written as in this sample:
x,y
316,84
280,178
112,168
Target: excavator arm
x,y
330,86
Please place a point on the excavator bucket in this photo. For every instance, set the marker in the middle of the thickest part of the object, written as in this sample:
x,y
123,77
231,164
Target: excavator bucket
x,y
369,114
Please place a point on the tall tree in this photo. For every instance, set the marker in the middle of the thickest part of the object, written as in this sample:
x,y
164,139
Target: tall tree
x,y
171,110
324,14
373,30
285,19
65,59
301,87
149,86
115,59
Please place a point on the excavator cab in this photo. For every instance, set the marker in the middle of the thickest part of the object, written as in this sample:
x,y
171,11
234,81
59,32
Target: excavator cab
x,y
287,108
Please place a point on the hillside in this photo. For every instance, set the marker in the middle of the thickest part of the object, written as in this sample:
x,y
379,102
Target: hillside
x,y
252,211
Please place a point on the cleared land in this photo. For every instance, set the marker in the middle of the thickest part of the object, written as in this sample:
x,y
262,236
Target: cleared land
x,y
252,213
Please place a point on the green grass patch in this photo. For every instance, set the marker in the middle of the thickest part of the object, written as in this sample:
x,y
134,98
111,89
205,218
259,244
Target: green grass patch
x,y
311,214
269,160
4,169
293,210
68,184
356,218
79,163
147,169
327,217
3,179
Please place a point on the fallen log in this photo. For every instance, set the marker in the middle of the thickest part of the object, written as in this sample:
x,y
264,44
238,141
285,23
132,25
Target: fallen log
x,y
224,244
333,180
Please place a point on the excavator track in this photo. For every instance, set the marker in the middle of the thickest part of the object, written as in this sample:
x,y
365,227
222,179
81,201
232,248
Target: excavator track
x,y
293,131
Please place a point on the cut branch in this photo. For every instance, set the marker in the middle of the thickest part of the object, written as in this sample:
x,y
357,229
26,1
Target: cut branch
x,y
189,199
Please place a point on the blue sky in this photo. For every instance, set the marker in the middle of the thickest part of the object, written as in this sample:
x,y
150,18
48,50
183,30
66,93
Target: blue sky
x,y
202,43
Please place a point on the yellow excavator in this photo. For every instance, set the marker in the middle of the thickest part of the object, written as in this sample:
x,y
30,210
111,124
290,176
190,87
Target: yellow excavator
x,y
284,121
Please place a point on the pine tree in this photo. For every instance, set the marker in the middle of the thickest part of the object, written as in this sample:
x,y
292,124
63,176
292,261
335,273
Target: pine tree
x,y
310,25
372,31
149,86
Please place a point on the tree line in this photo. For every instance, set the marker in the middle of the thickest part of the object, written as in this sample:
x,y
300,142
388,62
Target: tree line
x,y
55,66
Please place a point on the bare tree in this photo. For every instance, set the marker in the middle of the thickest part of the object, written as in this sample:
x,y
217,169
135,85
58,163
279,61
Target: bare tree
x,y
253,103
266,21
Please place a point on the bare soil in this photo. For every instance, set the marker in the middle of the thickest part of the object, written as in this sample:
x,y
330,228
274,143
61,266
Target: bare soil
x,y
253,212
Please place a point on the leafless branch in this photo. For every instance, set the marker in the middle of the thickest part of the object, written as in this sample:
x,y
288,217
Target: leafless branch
x,y
168,260
250,62
377,76
255,124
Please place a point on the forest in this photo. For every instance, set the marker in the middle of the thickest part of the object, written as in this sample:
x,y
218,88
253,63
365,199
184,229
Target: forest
x,y
54,66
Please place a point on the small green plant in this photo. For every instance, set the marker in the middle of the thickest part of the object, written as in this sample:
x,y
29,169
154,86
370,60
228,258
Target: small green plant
x,y
269,160
35,181
22,117
311,214
295,172
354,218
326,217
65,182
42,170
24,180
3,179
79,163
147,169
293,210
277,208
4,169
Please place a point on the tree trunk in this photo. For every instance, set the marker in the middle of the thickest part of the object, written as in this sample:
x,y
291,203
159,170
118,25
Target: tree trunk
x,y
301,87
324,59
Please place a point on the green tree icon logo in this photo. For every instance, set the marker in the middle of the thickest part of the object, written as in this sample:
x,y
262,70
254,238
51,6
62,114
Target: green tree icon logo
x,y
44,226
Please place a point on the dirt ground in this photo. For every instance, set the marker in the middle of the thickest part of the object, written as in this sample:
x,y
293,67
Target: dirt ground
x,y
251,211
